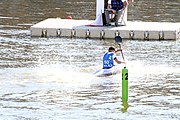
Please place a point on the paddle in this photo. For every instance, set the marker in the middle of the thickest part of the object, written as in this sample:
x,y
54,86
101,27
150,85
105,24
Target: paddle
x,y
118,40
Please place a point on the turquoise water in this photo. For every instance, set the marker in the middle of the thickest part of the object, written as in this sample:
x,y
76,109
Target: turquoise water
x,y
52,78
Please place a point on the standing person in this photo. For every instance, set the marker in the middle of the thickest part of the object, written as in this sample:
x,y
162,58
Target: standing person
x,y
115,7
109,58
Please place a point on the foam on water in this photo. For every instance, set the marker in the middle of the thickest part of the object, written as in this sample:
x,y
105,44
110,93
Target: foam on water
x,y
52,78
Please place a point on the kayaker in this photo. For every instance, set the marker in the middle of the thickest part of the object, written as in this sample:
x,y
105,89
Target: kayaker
x,y
109,58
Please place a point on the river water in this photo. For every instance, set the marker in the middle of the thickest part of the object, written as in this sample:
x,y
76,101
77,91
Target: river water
x,y
52,78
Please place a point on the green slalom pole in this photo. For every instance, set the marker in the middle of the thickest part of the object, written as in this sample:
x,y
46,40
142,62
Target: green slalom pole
x,y
125,84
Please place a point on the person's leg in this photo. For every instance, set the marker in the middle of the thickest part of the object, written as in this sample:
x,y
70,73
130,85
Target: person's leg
x,y
118,15
107,16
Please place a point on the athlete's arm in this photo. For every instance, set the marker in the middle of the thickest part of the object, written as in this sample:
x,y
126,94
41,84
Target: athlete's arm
x,y
118,62
118,50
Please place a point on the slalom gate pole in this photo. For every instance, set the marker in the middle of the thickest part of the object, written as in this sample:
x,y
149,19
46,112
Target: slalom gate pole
x,y
125,84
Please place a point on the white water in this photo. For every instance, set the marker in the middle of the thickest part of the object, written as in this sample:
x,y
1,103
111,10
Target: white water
x,y
65,87
52,79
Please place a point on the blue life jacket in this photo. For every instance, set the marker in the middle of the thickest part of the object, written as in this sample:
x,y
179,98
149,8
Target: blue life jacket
x,y
117,5
108,61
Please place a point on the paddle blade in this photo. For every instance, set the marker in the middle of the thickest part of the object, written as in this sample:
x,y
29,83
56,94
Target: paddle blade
x,y
118,40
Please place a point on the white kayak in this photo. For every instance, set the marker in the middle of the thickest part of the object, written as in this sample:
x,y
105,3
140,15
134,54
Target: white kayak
x,y
107,72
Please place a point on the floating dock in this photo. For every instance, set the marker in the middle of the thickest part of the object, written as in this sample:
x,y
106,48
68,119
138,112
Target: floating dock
x,y
56,27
